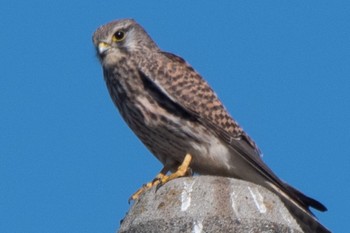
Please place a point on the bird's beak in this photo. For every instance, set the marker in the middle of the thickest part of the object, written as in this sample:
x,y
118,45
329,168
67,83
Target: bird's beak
x,y
102,47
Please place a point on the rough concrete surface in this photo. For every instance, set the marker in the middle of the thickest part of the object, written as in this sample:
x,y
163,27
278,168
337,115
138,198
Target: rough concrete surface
x,y
204,204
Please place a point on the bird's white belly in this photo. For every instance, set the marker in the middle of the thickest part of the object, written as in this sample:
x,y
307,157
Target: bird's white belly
x,y
211,156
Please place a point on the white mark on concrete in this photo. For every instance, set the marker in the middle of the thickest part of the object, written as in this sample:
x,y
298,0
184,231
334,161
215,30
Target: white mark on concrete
x,y
186,195
197,226
233,203
258,200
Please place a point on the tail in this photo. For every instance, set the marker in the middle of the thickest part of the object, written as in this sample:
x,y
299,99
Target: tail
x,y
300,209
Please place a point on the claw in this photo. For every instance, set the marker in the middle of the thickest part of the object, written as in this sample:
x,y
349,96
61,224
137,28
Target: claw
x,y
183,170
145,187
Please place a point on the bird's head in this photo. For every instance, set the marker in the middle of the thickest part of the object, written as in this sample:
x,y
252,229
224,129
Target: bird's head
x,y
120,39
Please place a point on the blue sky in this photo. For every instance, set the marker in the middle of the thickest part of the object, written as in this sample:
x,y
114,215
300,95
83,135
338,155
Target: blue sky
x,y
68,162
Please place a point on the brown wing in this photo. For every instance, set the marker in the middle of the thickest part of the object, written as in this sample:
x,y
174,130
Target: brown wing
x,y
185,87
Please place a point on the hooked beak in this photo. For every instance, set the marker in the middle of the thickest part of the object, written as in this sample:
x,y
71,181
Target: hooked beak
x,y
103,47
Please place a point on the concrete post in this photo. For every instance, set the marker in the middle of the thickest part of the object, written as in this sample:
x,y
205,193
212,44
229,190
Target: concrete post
x,y
204,204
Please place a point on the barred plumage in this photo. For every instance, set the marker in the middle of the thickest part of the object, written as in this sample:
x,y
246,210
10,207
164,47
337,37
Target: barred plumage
x,y
175,112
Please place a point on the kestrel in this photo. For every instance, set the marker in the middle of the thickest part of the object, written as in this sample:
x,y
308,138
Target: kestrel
x,y
180,119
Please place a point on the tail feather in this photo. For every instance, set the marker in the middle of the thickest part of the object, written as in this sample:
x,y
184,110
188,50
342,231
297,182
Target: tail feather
x,y
300,209
308,201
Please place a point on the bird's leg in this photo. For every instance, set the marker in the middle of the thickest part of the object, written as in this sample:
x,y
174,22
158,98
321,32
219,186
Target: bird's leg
x,y
162,178
155,181
183,170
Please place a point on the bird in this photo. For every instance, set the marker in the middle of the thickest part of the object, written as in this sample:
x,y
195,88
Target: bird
x,y
180,119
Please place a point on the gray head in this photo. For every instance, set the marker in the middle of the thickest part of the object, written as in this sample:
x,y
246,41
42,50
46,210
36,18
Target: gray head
x,y
119,38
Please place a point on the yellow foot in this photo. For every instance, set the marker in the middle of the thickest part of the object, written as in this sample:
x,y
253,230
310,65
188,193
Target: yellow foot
x,y
154,182
183,170
161,178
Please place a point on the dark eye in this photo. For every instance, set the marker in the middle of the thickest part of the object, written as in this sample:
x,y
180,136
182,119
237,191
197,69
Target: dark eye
x,y
118,36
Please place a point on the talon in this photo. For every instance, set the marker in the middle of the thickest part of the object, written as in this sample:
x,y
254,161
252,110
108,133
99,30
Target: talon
x,y
183,170
159,185
149,185
144,187
158,178
161,178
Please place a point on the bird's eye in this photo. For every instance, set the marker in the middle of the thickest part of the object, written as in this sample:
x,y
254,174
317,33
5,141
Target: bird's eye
x,y
118,36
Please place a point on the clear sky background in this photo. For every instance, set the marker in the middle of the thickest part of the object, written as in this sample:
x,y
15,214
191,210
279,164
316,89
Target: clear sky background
x,y
68,162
